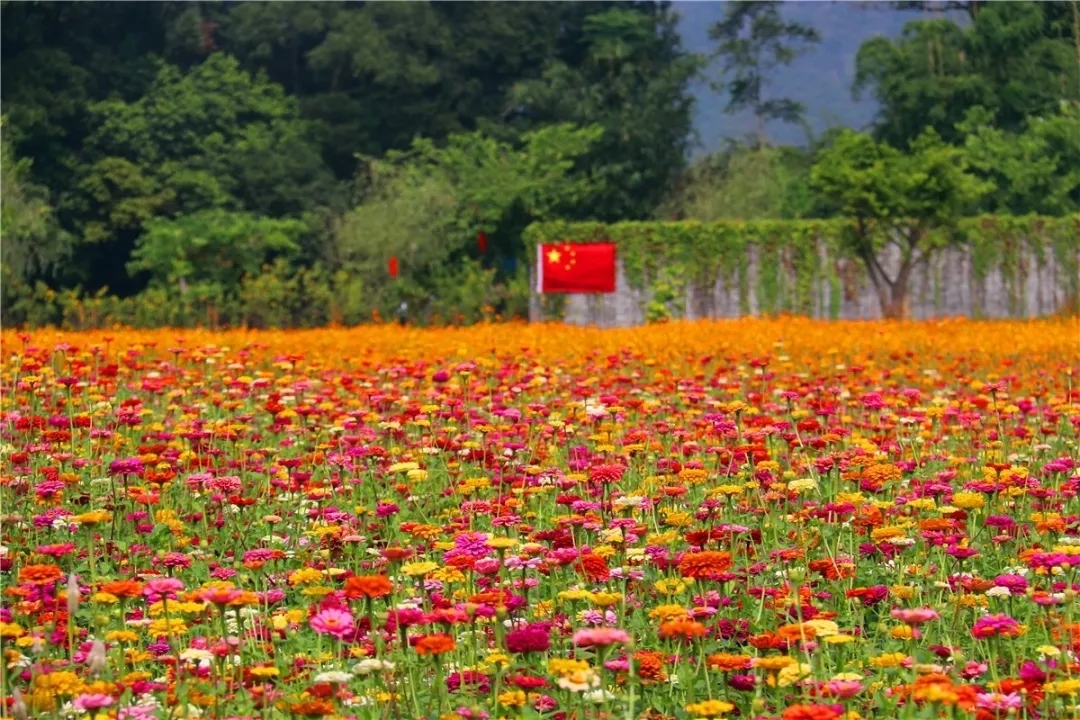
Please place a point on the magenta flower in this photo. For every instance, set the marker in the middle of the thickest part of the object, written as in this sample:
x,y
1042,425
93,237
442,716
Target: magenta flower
x,y
159,588
89,702
915,616
603,637
332,621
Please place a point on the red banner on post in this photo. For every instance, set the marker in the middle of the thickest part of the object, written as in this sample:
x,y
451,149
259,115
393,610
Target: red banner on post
x,y
576,268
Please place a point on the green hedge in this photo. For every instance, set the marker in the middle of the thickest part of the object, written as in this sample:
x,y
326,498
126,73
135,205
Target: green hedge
x,y
791,262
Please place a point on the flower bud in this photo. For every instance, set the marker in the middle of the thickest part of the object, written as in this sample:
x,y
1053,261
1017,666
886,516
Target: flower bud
x,y
96,659
19,710
72,595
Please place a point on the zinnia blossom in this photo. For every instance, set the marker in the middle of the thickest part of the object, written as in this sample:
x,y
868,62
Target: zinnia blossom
x,y
434,644
534,637
704,565
590,637
368,586
333,621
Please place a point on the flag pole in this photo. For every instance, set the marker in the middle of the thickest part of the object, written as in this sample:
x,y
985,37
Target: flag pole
x,y
535,306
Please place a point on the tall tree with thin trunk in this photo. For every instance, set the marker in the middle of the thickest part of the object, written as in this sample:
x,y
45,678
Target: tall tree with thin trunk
x,y
752,41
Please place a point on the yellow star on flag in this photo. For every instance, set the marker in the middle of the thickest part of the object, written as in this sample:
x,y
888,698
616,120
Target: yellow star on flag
x,y
554,256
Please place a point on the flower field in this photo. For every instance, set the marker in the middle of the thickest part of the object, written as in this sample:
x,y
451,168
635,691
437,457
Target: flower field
x,y
755,519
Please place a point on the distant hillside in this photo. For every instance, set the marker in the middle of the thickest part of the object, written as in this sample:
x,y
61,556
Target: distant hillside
x,y
821,79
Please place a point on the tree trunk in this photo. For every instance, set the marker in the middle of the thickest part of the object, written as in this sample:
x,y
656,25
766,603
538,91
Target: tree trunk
x,y
896,307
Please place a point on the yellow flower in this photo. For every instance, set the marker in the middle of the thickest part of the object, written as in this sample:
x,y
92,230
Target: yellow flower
x,y
94,517
1062,687
709,708
823,628
121,636
11,630
575,595
792,674
901,632
305,576
448,575
670,586
418,568
501,543
403,467
888,660
562,666
968,500
606,599
168,627
902,592
513,698
667,613
772,664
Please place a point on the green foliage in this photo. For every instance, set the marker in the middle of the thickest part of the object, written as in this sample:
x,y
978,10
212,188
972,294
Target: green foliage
x,y
1016,59
217,246
31,243
797,256
895,199
1036,170
212,138
633,82
744,183
753,39
426,205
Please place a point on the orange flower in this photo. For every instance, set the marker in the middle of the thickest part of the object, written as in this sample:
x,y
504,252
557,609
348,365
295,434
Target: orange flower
x,y
688,629
40,574
649,665
809,712
704,565
312,708
434,645
368,586
123,588
725,662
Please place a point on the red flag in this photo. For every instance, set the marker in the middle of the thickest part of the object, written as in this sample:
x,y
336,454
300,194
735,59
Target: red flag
x,y
481,241
576,268
393,266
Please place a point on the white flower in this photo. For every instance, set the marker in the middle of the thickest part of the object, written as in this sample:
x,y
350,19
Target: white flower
x,y
372,665
334,677
203,657
998,591
597,696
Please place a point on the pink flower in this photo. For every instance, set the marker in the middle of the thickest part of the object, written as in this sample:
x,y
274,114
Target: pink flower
x,y
916,616
600,636
997,624
158,588
999,702
92,701
332,621
844,688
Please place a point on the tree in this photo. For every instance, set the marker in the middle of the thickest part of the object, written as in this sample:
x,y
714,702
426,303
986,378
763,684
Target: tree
x,y
375,75
753,40
425,205
213,138
31,242
1016,60
896,199
1033,171
214,247
633,81
744,183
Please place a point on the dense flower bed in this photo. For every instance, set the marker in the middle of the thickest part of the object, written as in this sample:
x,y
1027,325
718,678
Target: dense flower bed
x,y
757,519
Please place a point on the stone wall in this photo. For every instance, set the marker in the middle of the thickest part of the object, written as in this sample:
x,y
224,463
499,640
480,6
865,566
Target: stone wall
x,y
946,286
